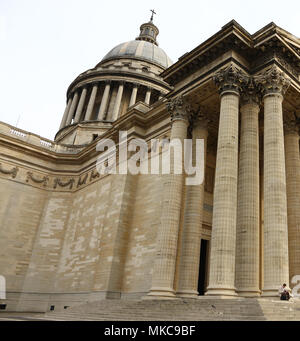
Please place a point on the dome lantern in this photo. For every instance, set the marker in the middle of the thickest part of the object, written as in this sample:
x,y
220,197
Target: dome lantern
x,y
148,31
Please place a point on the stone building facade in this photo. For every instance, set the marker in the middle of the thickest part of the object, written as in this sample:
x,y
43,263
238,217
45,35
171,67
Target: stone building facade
x,y
69,235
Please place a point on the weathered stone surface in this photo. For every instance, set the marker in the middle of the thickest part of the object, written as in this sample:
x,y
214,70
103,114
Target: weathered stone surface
x,y
69,235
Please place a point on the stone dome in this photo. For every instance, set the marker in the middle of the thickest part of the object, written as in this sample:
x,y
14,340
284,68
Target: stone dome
x,y
129,75
140,49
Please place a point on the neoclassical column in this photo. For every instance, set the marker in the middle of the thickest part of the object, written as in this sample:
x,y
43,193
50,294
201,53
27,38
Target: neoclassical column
x,y
223,239
292,159
193,217
72,108
80,105
248,228
148,96
167,238
276,259
65,116
90,107
104,101
117,105
133,95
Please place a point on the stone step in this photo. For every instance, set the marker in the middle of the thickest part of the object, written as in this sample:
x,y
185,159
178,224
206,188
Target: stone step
x,y
185,310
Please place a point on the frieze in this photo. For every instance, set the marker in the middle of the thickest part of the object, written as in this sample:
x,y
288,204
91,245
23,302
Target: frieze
x,y
286,65
58,182
13,172
82,181
275,55
31,177
47,181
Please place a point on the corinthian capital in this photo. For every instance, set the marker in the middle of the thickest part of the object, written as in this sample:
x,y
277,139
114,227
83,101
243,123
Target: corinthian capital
x,y
179,109
273,81
229,79
250,92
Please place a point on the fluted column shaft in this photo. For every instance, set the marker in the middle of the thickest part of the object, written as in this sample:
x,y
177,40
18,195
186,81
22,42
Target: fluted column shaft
x,y
90,107
65,116
276,269
148,96
117,105
80,105
275,202
222,261
72,108
133,95
192,226
223,239
293,197
247,243
104,101
276,259
167,239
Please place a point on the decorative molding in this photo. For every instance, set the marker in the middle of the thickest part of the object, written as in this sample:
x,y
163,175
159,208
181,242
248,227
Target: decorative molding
x,y
57,182
282,61
43,181
83,181
272,81
13,172
32,179
94,175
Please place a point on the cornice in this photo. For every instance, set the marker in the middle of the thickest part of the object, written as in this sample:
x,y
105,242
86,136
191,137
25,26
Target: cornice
x,y
234,37
207,77
232,33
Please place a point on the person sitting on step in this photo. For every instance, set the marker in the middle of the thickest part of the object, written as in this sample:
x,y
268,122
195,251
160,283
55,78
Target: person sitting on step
x,y
284,292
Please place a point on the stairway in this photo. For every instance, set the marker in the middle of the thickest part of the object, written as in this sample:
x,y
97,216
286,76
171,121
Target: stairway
x,y
202,309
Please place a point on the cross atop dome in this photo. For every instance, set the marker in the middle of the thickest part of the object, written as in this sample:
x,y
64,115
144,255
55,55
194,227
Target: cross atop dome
x,y
153,12
149,31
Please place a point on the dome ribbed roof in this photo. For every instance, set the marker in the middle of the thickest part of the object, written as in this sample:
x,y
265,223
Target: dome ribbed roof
x,y
140,49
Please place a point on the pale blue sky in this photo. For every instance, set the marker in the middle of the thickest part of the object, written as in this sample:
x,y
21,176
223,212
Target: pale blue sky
x,y
45,44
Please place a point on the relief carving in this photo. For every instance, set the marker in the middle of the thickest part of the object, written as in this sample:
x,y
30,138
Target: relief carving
x,y
13,172
94,175
273,81
179,109
43,181
229,79
57,182
83,181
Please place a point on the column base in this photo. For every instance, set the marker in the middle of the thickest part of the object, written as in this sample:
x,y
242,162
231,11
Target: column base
x,y
270,292
249,293
221,292
187,294
161,293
